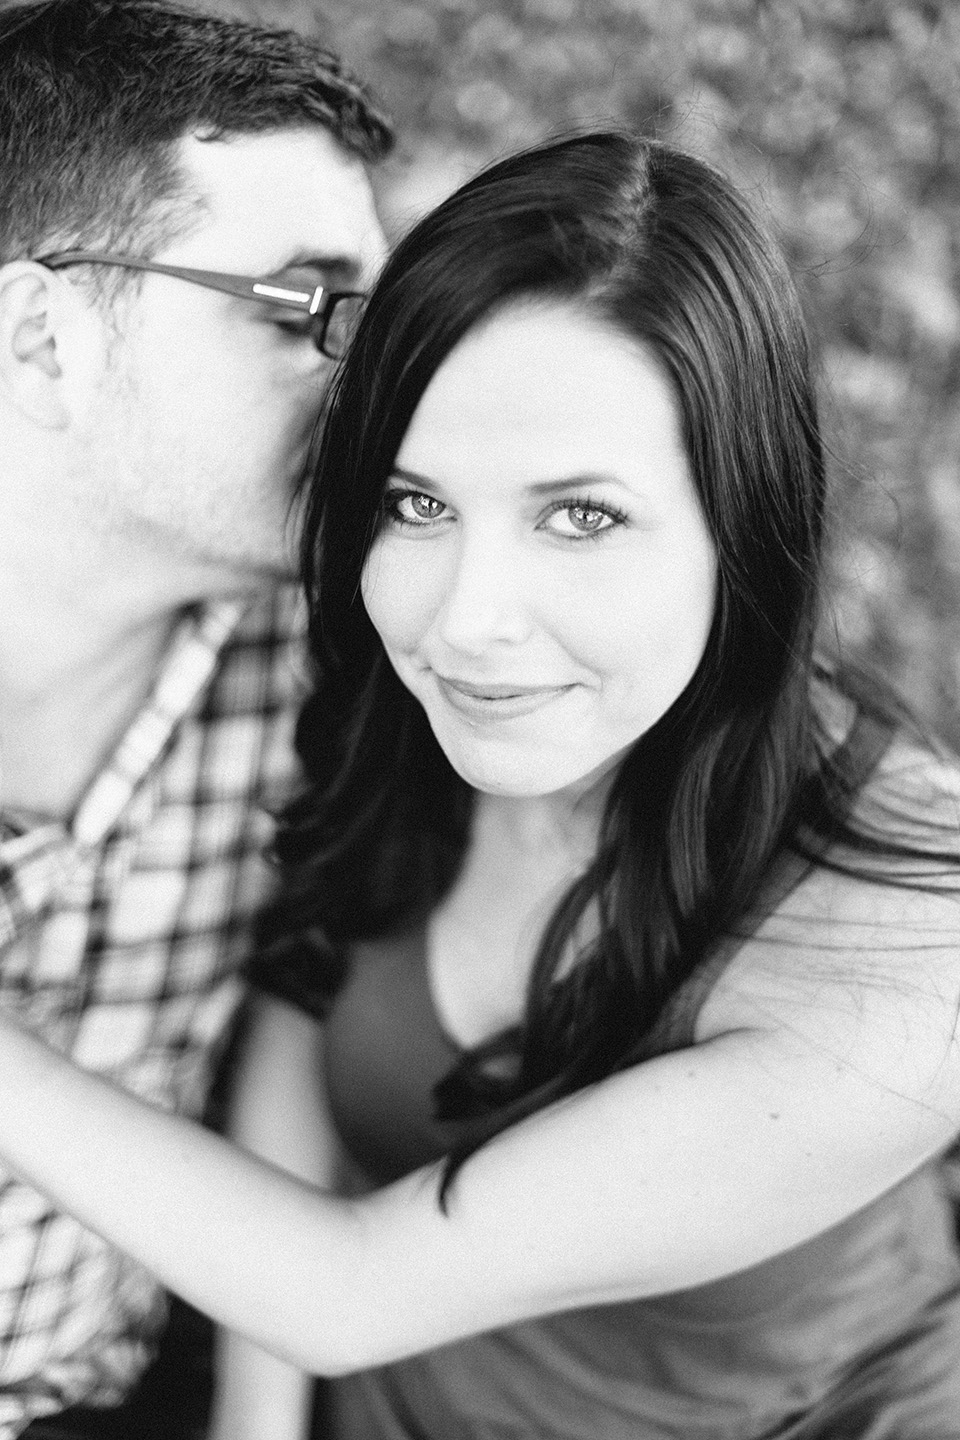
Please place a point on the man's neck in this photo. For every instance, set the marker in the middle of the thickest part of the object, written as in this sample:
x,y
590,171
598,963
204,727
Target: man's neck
x,y
86,612
68,690
81,637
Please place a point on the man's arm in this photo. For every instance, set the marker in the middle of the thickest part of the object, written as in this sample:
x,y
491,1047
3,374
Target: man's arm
x,y
276,1112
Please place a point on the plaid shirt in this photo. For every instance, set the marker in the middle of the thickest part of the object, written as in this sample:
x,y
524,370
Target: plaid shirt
x,y
120,939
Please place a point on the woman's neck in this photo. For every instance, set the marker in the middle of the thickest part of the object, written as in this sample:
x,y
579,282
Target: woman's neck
x,y
482,938
558,828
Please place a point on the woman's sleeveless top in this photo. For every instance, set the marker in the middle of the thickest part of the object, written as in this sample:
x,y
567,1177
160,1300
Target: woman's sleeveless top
x,y
846,1336
854,1335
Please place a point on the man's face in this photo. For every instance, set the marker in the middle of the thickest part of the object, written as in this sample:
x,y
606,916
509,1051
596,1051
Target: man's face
x,y
195,443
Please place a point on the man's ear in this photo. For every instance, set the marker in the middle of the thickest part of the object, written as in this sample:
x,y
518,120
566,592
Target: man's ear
x,y
35,304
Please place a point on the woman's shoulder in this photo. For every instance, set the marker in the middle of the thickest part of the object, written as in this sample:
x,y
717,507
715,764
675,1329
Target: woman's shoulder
x,y
913,797
875,912
904,783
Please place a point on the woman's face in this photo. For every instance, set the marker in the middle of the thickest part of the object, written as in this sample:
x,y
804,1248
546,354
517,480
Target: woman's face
x,y
543,580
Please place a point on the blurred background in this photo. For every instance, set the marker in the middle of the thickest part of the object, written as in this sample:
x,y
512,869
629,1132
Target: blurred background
x,y
841,119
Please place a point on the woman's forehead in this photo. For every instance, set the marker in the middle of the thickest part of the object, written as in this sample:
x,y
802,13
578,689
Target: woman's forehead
x,y
540,387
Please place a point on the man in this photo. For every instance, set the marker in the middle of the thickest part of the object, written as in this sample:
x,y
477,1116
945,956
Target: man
x,y
155,421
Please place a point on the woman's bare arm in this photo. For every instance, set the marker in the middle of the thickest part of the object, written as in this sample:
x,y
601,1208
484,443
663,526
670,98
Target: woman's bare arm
x,y
773,1131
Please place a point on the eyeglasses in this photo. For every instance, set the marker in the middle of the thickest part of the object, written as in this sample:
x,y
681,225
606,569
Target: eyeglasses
x,y
329,316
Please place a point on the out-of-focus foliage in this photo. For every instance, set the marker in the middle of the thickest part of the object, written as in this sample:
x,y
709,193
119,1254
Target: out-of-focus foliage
x,y
841,118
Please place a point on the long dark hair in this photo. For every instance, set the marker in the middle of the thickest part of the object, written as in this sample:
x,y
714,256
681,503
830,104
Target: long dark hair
x,y
662,248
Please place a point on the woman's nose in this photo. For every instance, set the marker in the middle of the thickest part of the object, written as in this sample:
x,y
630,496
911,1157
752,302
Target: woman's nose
x,y
487,600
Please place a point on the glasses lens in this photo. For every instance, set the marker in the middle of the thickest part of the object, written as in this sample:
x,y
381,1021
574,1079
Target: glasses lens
x,y
342,323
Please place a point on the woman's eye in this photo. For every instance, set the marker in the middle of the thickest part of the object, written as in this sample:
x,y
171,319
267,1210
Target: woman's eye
x,y
411,507
577,521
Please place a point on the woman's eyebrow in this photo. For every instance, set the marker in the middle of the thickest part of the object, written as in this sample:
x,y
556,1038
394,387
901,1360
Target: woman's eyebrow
x,y
410,476
559,486
573,482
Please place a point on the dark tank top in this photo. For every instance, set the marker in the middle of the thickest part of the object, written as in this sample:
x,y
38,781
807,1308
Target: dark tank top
x,y
862,1322
854,1335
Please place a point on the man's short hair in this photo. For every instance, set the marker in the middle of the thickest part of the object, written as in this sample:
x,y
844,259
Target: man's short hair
x,y
95,94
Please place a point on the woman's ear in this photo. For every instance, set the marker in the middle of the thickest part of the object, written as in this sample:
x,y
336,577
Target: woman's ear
x,y
33,309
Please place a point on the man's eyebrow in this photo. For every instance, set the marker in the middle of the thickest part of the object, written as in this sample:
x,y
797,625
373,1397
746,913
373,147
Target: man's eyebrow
x,y
341,269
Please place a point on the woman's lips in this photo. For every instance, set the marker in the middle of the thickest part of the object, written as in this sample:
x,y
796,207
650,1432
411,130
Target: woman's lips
x,y
491,702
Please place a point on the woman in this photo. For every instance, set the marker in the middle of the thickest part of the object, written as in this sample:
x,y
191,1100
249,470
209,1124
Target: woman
x,y
635,930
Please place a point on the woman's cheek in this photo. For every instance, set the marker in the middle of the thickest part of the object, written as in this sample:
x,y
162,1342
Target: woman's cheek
x,y
398,593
